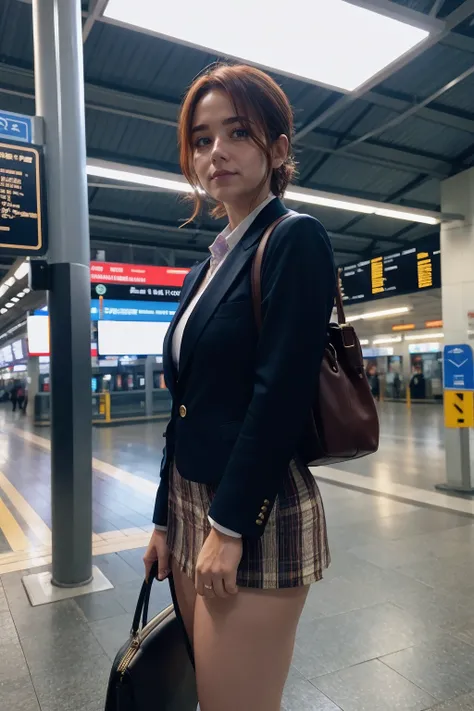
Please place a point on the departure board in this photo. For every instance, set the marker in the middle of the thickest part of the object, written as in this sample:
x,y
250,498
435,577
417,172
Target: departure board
x,y
417,268
22,202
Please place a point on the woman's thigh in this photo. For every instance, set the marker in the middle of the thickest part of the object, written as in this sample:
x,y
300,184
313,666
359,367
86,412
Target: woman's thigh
x,y
186,594
243,648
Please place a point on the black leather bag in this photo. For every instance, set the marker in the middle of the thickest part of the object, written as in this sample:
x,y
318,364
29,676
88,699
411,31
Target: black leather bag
x,y
155,668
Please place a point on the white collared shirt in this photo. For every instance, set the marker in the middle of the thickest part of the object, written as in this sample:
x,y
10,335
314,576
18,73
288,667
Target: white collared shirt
x,y
232,237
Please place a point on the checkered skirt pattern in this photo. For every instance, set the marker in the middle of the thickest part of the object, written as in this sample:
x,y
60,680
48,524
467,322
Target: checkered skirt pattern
x,y
293,550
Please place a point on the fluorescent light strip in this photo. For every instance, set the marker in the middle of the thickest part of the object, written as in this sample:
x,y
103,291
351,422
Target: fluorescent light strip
x,y
425,336
10,281
22,271
364,342
372,40
382,341
176,183
379,314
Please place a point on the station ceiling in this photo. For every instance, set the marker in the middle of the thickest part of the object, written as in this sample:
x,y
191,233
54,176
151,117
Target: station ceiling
x,y
392,142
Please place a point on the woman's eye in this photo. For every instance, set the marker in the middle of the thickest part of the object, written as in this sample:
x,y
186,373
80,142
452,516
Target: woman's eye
x,y
240,133
201,142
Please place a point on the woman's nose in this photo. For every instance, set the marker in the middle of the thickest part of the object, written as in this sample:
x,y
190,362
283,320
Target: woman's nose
x,y
218,149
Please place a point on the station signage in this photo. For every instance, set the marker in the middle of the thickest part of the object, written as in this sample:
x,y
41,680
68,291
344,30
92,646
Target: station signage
x,y
406,271
23,228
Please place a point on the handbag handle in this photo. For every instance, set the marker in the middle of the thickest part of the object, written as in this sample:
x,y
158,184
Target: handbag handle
x,y
256,278
141,611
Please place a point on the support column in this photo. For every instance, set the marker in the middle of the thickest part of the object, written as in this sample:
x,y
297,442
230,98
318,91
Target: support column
x,y
457,277
59,93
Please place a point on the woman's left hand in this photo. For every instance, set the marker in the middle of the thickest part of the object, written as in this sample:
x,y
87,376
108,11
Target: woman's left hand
x,y
216,570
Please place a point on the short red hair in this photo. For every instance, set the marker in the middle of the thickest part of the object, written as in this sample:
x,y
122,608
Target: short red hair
x,y
254,94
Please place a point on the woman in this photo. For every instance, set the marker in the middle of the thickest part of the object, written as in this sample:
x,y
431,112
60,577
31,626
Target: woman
x,y
239,518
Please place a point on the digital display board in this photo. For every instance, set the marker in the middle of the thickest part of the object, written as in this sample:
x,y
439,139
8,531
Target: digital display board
x,y
22,201
116,338
406,271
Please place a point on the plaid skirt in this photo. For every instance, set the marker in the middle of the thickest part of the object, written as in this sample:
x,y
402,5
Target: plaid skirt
x,y
293,550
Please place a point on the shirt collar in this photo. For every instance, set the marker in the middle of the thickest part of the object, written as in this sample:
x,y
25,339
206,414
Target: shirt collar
x,y
233,237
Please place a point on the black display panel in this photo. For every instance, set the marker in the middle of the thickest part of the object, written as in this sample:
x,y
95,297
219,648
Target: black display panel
x,y
406,271
22,200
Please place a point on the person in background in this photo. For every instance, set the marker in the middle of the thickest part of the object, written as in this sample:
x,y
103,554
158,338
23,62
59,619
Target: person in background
x,y
397,385
20,395
418,384
239,518
14,396
374,381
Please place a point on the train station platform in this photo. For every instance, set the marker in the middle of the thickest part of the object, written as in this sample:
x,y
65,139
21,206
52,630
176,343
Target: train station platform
x,y
390,627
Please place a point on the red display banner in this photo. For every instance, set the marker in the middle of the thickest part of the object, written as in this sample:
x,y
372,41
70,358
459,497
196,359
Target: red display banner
x,y
116,273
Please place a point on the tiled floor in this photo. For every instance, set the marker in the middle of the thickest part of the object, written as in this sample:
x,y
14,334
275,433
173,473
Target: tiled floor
x,y
391,627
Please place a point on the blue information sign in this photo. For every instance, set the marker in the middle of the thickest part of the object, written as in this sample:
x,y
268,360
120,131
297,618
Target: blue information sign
x,y
458,367
16,127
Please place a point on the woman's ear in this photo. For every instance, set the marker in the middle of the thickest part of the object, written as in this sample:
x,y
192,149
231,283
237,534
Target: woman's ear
x,y
280,151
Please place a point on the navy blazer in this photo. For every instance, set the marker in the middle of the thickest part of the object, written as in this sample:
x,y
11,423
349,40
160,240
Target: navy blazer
x,y
241,399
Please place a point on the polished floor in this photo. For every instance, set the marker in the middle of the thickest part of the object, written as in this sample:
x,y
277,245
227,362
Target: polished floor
x,y
391,627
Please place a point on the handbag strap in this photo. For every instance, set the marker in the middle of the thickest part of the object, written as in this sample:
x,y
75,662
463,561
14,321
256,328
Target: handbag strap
x,y
256,278
141,611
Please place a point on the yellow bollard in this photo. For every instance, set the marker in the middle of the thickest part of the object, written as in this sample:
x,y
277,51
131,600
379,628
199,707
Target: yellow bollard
x,y
408,397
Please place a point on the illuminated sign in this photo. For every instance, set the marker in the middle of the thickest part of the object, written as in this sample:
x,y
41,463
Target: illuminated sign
x,y
403,327
22,205
434,324
417,268
117,273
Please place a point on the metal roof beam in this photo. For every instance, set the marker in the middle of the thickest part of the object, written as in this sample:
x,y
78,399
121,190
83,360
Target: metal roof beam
x,y
15,80
385,156
96,9
457,17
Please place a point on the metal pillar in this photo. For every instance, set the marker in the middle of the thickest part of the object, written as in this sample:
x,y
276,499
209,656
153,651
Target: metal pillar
x,y
59,93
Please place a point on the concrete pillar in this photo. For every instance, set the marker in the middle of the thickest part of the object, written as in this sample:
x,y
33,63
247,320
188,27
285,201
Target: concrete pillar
x,y
457,278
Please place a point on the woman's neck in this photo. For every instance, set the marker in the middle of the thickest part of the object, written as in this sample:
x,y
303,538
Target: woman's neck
x,y
238,212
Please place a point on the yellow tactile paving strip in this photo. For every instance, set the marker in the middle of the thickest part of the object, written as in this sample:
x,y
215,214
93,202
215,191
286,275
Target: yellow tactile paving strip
x,y
11,529
28,554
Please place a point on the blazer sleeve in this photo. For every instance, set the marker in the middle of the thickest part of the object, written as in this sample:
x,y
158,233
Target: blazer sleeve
x,y
298,289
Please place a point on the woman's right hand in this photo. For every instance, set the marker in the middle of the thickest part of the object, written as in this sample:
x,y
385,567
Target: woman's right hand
x,y
157,551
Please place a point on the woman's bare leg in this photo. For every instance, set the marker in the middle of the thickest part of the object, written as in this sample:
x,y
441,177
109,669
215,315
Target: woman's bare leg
x,y
186,594
243,647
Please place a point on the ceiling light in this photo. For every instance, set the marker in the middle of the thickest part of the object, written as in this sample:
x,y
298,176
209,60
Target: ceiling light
x,y
9,304
15,299
372,40
421,337
26,290
116,172
175,182
315,199
364,342
3,289
379,314
408,215
21,294
22,271
3,311
10,281
381,341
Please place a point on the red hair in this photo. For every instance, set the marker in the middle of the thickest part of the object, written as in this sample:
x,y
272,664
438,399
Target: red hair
x,y
254,95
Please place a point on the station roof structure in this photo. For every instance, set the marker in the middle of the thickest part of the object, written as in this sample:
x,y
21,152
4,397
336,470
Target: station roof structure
x,y
390,141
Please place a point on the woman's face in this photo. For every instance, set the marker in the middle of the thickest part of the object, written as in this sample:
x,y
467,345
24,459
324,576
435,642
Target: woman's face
x,y
228,163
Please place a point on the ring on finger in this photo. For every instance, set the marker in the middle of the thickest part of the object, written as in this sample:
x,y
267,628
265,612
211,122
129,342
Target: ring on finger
x,y
208,587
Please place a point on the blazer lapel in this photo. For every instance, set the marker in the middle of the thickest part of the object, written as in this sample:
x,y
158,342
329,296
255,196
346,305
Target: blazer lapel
x,y
169,368
222,282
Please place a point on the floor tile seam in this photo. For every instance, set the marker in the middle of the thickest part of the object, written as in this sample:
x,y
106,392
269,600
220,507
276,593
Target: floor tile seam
x,y
30,674
368,661
438,702
322,692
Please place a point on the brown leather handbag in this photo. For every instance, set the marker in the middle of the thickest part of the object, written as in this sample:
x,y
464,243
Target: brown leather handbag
x,y
343,423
